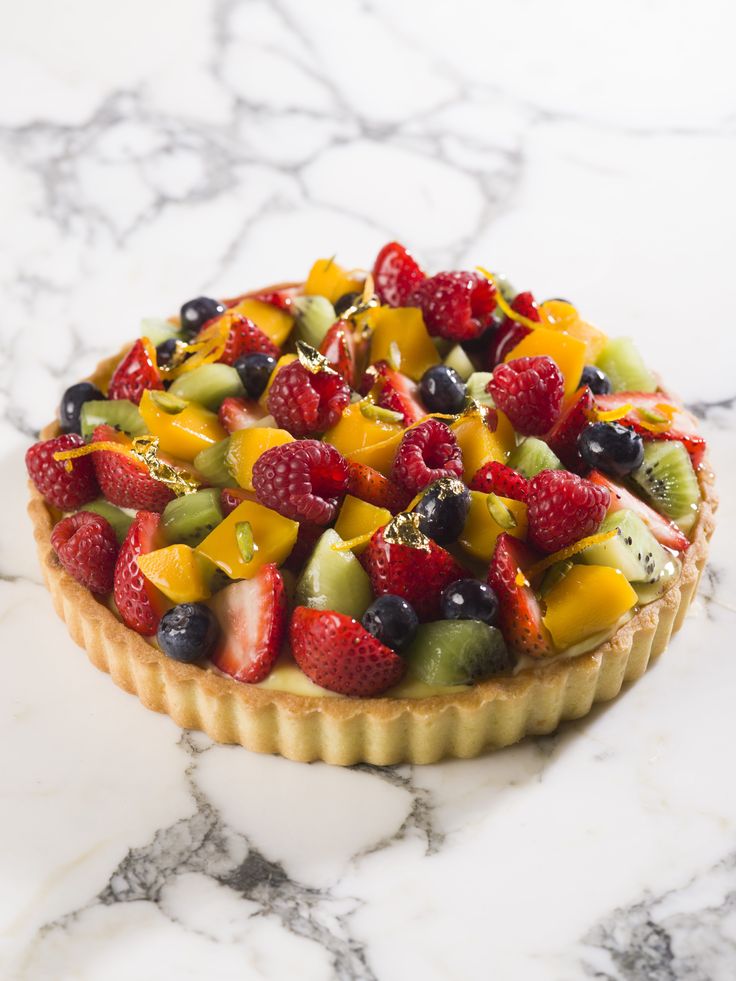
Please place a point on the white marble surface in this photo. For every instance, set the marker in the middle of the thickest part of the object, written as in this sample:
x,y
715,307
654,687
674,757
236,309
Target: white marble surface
x,y
153,151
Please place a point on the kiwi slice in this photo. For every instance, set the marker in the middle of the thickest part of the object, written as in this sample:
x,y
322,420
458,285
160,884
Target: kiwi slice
x,y
210,462
314,317
532,456
668,481
625,367
158,330
333,580
458,359
476,387
189,519
457,652
634,551
118,413
120,520
210,385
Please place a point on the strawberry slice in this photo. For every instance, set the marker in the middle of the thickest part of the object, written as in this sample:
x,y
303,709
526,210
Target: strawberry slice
x,y
683,427
511,332
140,604
417,575
394,391
123,481
369,485
665,531
135,373
497,478
283,298
235,413
340,347
252,617
337,653
396,274
244,337
562,438
520,615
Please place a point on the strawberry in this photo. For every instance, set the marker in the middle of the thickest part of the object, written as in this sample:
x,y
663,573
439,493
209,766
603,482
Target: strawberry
x,y
574,416
337,653
340,347
417,575
243,338
123,481
87,548
135,373
140,604
682,427
520,615
235,413
395,274
665,531
231,497
65,489
369,485
252,617
394,391
282,298
497,478
511,332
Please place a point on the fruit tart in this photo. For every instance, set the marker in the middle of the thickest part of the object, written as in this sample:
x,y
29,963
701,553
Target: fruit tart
x,y
373,516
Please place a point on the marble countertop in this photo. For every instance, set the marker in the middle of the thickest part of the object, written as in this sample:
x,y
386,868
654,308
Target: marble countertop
x,y
154,151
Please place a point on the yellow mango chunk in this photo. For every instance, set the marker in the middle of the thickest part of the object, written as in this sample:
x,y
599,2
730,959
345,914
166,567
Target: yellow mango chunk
x,y
328,278
246,445
178,572
368,441
405,327
182,434
588,600
281,363
479,445
566,351
274,322
559,315
479,535
357,518
273,534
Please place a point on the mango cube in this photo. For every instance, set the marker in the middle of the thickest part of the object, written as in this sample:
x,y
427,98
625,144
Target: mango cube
x,y
405,327
364,440
479,445
273,534
478,537
328,278
559,315
272,320
178,572
246,445
357,518
588,600
182,434
568,352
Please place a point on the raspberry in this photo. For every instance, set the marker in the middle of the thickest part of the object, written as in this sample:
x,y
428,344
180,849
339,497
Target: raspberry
x,y
529,391
87,548
426,453
497,478
455,305
395,274
62,488
562,508
511,332
305,480
243,338
304,403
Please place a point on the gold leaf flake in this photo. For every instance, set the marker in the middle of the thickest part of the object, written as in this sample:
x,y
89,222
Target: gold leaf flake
x,y
312,360
145,450
404,530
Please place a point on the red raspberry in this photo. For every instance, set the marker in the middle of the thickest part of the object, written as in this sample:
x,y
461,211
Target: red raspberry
x,y
562,508
456,305
64,489
426,453
305,480
304,403
497,478
243,338
529,391
395,274
123,481
511,332
87,548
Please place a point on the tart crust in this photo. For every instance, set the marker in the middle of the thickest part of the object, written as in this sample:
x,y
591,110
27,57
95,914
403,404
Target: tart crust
x,y
381,731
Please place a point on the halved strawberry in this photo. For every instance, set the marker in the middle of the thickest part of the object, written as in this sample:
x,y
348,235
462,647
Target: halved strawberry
x,y
369,485
665,531
135,373
511,332
395,391
140,604
122,480
497,478
282,298
336,652
252,618
562,438
340,347
244,337
682,428
520,615
235,413
396,273
418,575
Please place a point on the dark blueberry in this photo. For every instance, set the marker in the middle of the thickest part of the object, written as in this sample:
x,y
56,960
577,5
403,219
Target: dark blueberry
x,y
391,620
470,599
72,402
444,509
188,632
165,351
612,448
442,390
195,313
254,371
346,301
597,381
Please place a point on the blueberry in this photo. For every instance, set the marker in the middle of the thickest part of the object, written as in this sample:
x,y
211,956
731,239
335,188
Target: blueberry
x,y
391,620
195,313
444,509
254,371
442,390
346,301
165,351
597,381
470,599
72,402
188,632
612,448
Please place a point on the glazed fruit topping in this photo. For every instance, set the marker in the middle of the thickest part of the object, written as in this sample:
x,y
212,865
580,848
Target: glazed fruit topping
x,y
236,413
195,313
87,547
304,480
123,480
470,599
612,448
136,373
597,381
395,275
139,603
340,347
71,405
391,620
188,632
511,332
305,403
443,510
496,478
64,488
392,390
254,371
243,337
562,507
520,614
369,485
442,390
426,453
455,305
665,531
529,391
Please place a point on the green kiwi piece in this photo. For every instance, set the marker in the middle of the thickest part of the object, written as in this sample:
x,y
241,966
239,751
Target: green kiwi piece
x,y
476,387
457,652
634,551
458,359
210,462
158,330
314,317
118,413
189,519
532,456
210,385
333,580
625,367
120,520
668,481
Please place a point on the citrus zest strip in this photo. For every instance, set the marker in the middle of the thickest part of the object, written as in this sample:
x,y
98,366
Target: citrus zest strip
x,y
566,553
66,456
353,542
612,414
511,314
